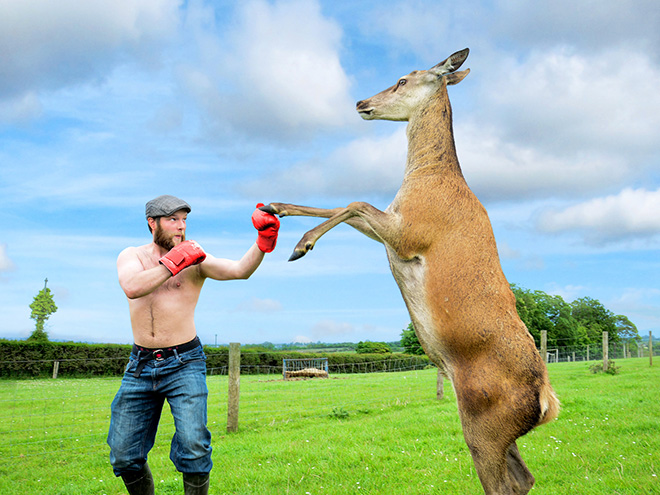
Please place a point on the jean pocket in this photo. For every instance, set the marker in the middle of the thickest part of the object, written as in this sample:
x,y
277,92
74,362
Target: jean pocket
x,y
192,356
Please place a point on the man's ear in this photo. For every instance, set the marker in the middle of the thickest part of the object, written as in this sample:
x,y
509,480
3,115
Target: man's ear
x,y
152,223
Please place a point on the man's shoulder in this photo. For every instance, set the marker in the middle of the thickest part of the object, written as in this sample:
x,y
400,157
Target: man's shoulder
x,y
135,252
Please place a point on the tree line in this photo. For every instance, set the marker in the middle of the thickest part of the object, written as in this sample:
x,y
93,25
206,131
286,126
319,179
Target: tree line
x,y
576,324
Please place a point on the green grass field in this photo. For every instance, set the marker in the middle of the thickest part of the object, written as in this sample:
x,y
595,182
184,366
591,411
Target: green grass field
x,y
372,434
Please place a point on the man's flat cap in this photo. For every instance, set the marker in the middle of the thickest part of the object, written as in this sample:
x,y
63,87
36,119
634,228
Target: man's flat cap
x,y
165,205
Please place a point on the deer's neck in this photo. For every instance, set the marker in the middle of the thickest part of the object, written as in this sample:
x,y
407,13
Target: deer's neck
x,y
431,148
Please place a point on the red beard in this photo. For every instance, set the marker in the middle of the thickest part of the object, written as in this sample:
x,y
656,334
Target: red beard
x,y
165,240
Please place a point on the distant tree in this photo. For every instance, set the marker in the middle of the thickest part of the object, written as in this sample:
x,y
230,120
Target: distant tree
x,y
579,323
626,329
372,348
410,342
531,307
42,307
595,318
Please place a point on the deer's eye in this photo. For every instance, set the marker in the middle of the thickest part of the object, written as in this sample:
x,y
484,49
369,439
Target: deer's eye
x,y
402,82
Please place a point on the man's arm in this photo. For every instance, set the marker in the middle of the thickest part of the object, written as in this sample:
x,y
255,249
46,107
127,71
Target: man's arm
x,y
224,269
134,279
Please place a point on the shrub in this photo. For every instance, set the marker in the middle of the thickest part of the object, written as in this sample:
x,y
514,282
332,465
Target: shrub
x,y
373,348
612,368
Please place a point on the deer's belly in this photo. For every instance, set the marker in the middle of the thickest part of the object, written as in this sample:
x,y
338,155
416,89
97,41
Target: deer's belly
x,y
410,275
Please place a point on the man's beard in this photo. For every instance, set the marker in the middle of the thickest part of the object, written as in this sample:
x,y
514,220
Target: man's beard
x,y
164,240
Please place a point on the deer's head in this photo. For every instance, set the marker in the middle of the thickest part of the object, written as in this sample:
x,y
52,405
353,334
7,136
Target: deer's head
x,y
398,102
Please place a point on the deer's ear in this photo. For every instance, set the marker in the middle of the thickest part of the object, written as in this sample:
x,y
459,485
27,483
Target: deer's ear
x,y
451,63
456,77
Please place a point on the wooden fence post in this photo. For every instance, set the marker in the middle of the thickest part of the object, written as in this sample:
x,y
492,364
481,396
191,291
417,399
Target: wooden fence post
x,y
650,348
56,368
440,387
605,350
234,386
544,345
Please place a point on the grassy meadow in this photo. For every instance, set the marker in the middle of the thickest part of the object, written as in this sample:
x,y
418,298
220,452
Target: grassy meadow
x,y
382,433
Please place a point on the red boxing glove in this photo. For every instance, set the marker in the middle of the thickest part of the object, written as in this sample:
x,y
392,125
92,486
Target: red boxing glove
x,y
268,225
182,256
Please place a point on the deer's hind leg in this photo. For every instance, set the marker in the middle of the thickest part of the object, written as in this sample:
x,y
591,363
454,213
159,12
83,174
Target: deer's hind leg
x,y
494,414
499,465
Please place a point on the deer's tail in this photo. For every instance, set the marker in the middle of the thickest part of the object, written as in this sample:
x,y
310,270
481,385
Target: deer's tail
x,y
549,404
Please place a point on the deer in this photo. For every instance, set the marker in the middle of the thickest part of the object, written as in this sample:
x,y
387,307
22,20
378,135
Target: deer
x,y
442,253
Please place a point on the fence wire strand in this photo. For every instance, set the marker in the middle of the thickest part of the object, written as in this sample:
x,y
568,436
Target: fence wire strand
x,y
47,417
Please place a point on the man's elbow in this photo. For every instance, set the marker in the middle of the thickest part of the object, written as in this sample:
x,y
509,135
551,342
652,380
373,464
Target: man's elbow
x,y
243,276
133,292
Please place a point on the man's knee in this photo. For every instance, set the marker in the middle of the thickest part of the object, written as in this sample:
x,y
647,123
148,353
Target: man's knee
x,y
191,451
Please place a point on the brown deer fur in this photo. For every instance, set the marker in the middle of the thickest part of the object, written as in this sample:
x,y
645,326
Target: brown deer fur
x,y
443,255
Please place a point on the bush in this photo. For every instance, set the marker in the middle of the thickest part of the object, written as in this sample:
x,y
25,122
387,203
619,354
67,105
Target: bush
x,y
612,368
373,348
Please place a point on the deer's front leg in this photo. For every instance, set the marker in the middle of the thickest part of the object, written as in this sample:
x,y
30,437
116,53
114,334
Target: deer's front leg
x,y
364,217
285,209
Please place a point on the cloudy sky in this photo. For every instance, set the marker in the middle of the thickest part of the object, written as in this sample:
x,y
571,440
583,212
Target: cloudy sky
x,y
105,104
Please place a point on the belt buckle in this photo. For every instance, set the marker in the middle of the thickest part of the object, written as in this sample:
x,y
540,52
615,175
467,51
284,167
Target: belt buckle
x,y
158,354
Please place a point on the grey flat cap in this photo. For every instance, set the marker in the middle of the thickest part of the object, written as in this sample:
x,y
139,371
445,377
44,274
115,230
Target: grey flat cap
x,y
165,205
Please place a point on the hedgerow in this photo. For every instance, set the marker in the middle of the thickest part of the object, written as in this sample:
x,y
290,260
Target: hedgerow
x,y
23,359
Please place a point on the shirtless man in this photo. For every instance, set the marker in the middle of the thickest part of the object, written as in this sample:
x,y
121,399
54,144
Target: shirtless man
x,y
162,281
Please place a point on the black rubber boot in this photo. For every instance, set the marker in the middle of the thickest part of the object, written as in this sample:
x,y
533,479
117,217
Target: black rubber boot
x,y
195,484
139,482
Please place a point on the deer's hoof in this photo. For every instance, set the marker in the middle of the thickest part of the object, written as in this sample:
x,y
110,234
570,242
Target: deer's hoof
x,y
269,209
299,252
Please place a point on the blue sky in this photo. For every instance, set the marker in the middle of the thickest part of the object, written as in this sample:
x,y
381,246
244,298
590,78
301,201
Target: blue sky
x,y
106,104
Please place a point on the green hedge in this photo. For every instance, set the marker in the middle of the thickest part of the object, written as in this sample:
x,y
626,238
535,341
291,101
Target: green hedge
x,y
21,359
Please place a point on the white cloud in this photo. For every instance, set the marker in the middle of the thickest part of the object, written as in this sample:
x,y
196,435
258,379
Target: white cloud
x,y
20,110
507,252
590,24
568,103
406,27
560,124
6,264
329,330
501,170
365,166
276,71
633,213
568,293
49,45
256,305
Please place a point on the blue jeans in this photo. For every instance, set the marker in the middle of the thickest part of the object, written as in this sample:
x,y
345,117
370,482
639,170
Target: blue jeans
x,y
136,410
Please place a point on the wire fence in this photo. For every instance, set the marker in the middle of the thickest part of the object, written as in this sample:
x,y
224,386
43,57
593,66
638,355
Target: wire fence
x,y
390,365
47,417
594,352
55,417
